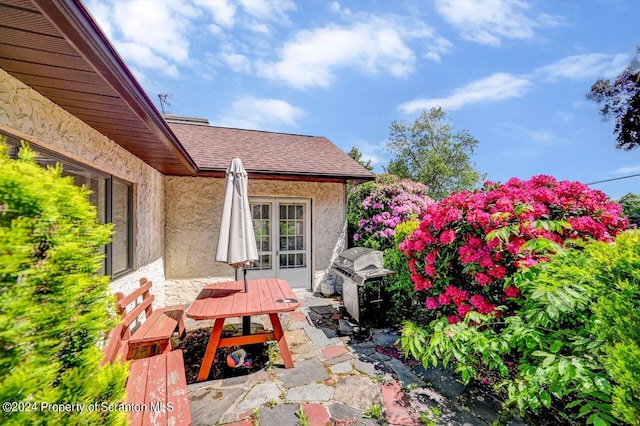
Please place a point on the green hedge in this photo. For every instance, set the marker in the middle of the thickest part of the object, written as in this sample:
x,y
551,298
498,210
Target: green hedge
x,y
53,304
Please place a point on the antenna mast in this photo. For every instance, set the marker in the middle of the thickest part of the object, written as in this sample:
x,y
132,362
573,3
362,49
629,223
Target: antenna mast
x,y
165,100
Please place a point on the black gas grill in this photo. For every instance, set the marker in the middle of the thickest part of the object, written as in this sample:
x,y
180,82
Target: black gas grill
x,y
355,267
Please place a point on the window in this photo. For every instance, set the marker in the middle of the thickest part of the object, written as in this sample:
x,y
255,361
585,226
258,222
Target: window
x,y
113,199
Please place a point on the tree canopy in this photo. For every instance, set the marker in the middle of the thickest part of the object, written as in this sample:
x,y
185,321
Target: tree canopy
x,y
620,99
631,207
357,155
428,151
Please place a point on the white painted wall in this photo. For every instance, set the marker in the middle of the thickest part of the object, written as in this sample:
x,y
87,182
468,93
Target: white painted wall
x,y
194,210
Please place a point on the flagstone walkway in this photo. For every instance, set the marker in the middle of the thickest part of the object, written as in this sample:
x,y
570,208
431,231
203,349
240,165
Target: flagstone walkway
x,y
338,381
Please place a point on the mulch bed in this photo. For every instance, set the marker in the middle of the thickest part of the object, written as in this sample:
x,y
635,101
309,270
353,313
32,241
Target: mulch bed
x,y
194,345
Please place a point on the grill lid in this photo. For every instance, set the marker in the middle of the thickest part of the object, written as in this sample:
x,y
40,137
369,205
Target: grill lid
x,y
359,258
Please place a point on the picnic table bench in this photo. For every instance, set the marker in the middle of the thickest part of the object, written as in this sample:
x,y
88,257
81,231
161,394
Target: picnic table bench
x,y
157,329
157,385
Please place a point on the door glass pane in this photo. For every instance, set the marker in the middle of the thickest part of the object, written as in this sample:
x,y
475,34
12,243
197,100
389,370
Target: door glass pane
x,y
292,236
260,214
263,262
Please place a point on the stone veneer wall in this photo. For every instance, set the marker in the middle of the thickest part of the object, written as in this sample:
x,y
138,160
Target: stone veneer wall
x,y
30,116
194,210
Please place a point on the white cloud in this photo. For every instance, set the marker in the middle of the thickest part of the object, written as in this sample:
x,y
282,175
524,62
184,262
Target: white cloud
x,y
374,152
158,37
565,117
496,87
520,133
223,11
272,10
237,62
627,169
148,37
374,45
147,58
250,112
588,66
488,22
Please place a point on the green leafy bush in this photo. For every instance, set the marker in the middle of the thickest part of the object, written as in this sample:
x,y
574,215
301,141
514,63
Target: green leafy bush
x,y
616,272
403,302
53,305
570,353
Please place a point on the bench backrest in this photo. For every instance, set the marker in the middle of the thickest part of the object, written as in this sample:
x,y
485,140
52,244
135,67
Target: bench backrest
x,y
145,304
116,346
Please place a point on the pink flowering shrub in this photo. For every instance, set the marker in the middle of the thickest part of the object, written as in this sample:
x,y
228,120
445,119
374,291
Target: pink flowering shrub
x,y
469,244
376,208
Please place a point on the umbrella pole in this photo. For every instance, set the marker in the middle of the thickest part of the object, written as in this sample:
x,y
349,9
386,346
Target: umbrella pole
x,y
246,321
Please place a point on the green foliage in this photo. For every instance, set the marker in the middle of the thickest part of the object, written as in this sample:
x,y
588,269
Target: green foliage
x,y
303,418
53,306
403,301
617,320
427,151
570,351
357,155
631,207
373,412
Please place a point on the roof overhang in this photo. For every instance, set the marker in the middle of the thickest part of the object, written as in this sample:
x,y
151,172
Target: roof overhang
x,y
56,48
270,175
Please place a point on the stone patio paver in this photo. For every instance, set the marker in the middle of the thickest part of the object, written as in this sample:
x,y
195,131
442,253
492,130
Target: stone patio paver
x,y
210,403
357,392
260,394
316,413
280,415
333,351
342,368
313,392
303,373
396,408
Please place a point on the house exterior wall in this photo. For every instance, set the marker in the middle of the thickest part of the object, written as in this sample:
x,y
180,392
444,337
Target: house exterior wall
x,y
194,210
30,116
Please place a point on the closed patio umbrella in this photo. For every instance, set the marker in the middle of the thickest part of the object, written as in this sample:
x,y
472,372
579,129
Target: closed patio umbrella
x,y
236,240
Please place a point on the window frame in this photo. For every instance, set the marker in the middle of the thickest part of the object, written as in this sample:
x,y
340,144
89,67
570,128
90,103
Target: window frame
x,y
109,180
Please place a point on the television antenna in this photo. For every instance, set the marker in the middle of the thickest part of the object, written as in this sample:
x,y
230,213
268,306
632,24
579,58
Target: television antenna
x,y
165,100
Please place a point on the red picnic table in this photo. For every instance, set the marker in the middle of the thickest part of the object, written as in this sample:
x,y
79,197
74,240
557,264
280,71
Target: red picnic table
x,y
220,301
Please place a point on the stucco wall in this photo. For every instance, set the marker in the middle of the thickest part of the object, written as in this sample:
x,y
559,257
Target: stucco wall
x,y
28,115
194,209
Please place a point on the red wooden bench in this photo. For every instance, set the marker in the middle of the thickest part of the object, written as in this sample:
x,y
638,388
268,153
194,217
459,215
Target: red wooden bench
x,y
157,329
156,386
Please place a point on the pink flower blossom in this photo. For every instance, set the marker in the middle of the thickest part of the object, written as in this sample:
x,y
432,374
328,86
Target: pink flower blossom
x,y
431,303
444,299
483,279
458,258
447,236
453,319
512,291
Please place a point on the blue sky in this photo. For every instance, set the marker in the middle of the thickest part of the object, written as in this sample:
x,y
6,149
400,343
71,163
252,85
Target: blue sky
x,y
513,73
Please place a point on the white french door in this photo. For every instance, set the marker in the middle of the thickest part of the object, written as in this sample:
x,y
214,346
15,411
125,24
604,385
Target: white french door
x,y
283,236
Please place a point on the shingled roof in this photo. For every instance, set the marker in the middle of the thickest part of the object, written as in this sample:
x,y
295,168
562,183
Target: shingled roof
x,y
267,154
